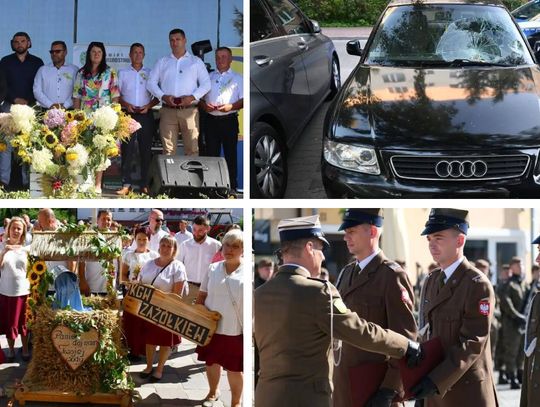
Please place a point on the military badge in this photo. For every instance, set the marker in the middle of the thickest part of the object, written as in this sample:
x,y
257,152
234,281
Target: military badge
x,y
340,306
405,297
483,307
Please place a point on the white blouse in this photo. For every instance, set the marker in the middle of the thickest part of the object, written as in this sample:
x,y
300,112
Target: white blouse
x,y
173,273
13,280
135,261
222,290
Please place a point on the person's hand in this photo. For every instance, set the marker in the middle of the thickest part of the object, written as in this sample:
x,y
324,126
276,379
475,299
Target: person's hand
x,y
425,388
382,398
207,107
56,106
168,100
225,108
414,354
20,101
129,108
185,101
144,109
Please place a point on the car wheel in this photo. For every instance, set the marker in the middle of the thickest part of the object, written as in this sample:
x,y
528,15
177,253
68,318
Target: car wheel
x,y
335,79
268,163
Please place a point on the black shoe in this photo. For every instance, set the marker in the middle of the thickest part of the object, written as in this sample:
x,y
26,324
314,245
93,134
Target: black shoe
x,y
514,385
502,378
145,375
154,379
26,358
519,376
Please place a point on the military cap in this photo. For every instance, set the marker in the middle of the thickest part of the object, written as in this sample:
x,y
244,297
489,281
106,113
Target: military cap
x,y
358,216
444,218
301,228
537,240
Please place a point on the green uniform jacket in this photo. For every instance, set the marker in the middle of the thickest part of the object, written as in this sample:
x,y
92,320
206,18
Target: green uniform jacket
x,y
530,393
293,329
460,313
382,294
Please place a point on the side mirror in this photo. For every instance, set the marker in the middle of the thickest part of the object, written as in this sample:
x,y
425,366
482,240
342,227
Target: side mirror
x,y
316,27
536,50
354,48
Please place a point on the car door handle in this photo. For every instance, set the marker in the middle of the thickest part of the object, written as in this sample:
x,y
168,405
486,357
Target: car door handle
x,y
303,46
262,60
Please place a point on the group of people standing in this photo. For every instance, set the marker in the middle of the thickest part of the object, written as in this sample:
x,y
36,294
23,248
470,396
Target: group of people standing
x,y
180,82
374,297
158,258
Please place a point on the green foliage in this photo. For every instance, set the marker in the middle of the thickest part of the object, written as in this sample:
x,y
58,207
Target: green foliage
x,y
356,13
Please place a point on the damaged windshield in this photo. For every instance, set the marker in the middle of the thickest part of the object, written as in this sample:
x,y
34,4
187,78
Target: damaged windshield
x,y
438,35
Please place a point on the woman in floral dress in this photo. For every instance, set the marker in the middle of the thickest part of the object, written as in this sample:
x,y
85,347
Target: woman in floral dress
x,y
96,85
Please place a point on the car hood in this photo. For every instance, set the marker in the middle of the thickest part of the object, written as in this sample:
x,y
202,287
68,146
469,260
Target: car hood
x,y
427,109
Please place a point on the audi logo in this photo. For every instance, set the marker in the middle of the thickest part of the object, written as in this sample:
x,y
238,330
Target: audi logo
x,y
458,169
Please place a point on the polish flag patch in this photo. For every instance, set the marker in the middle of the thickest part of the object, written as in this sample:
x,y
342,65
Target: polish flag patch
x,y
405,297
483,307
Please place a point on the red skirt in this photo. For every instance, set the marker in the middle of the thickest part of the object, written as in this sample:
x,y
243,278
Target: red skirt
x,y
224,350
133,326
13,316
154,335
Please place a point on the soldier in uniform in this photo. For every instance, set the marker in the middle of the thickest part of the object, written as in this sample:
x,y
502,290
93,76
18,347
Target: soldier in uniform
x,y
297,317
379,291
456,306
513,295
530,393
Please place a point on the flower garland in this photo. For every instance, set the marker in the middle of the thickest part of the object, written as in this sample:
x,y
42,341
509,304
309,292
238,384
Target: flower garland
x,y
40,278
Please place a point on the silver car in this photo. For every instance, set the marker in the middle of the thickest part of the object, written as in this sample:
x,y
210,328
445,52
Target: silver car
x,y
293,67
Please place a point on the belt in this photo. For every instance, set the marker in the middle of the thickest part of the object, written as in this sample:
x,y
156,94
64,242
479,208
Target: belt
x,y
179,107
196,284
224,117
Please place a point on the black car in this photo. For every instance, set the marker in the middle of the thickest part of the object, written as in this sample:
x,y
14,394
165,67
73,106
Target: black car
x,y
444,103
293,68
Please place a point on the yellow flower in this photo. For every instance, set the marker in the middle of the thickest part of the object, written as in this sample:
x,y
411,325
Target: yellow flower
x,y
80,116
112,151
39,267
33,277
59,149
50,139
116,107
70,116
72,156
3,147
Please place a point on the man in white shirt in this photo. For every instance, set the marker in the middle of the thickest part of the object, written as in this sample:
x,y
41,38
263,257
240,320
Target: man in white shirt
x,y
183,234
179,80
138,102
53,84
92,277
222,103
196,254
155,223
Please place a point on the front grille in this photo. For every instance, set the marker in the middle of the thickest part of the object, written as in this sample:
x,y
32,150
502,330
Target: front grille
x,y
459,168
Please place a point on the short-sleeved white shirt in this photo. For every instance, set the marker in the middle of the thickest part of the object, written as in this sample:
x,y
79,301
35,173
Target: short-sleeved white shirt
x,y
197,257
173,273
13,281
218,298
136,261
96,278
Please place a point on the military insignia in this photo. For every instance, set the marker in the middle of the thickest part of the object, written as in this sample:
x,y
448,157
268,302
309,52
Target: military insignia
x,y
394,266
483,307
477,279
405,297
340,306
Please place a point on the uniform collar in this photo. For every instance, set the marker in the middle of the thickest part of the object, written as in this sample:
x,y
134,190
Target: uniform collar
x,y
364,262
297,268
451,268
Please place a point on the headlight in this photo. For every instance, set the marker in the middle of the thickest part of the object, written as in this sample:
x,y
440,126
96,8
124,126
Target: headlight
x,y
354,158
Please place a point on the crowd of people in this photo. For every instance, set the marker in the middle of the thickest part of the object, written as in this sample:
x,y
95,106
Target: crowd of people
x,y
153,255
483,327
179,81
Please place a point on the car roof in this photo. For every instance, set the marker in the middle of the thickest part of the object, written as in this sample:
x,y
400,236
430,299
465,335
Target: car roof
x,y
426,2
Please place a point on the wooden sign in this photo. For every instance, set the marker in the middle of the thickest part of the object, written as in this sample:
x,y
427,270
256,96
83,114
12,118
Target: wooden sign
x,y
74,348
168,311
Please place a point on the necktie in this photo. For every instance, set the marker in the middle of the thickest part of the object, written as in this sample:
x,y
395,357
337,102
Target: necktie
x,y
440,281
355,272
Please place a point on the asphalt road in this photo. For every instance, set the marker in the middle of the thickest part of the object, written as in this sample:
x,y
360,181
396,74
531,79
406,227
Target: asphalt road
x,y
304,159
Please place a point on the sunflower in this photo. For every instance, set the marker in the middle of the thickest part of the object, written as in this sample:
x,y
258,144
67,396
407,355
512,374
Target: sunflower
x,y
112,151
29,316
39,267
50,139
80,116
3,147
59,149
33,277
70,116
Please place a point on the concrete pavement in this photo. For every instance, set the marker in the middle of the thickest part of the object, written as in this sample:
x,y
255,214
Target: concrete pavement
x,y
183,384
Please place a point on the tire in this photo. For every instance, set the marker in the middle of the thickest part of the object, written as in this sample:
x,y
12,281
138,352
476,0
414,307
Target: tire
x,y
335,78
268,163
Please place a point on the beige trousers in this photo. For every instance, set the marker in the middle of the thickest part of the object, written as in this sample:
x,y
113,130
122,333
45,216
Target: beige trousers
x,y
185,121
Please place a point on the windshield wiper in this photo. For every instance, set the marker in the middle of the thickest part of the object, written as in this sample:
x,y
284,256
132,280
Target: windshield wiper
x,y
470,62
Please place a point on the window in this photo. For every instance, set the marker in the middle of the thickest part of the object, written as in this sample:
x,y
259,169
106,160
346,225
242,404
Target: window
x,y
290,17
261,24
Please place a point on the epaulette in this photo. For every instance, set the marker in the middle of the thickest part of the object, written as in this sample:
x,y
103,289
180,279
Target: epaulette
x,y
393,265
318,279
477,279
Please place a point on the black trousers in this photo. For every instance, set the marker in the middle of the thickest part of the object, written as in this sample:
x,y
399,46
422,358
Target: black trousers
x,y
144,137
223,131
